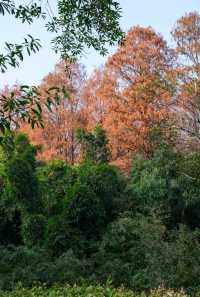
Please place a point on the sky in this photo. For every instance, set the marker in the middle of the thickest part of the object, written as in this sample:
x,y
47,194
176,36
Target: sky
x,y
159,14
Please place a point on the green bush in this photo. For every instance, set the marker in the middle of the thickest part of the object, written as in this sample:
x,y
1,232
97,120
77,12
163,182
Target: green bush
x,y
94,145
21,173
20,264
128,251
33,230
28,267
54,178
90,203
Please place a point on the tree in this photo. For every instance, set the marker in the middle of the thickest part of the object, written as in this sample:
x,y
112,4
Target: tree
x,y
24,104
136,89
187,37
94,104
19,188
21,173
94,145
57,138
128,252
89,203
54,179
186,34
155,187
33,230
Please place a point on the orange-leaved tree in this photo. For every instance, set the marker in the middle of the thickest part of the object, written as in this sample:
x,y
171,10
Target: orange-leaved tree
x,y
136,89
95,104
186,34
57,138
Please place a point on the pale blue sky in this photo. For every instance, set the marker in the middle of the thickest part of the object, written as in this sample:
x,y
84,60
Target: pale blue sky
x,y
160,14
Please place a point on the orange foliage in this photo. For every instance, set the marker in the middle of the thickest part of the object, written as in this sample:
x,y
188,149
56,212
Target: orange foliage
x,y
186,34
95,105
135,90
142,85
58,136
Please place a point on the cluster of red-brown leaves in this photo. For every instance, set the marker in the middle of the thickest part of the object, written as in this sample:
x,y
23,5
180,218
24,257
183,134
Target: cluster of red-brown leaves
x,y
57,138
145,83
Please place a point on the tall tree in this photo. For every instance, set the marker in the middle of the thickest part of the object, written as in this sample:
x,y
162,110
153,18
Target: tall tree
x,y
186,34
137,89
58,135
94,104
94,145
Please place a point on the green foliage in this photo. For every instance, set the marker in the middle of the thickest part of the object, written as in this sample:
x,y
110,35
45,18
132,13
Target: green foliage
x,y
20,264
54,180
30,266
180,259
148,186
140,253
91,30
106,182
128,249
90,203
189,182
25,104
81,24
15,52
94,145
20,169
62,224
19,185
33,230
167,184
10,225
71,291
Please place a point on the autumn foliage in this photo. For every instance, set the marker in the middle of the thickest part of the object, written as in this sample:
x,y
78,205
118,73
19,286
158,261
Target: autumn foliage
x,y
58,137
133,92
144,85
186,34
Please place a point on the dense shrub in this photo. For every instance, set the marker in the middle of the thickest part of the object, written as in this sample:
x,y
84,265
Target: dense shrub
x,y
30,266
90,203
33,230
54,179
21,173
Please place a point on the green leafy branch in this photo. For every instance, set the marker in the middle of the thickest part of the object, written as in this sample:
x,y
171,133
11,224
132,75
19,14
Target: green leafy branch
x,y
26,105
15,52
